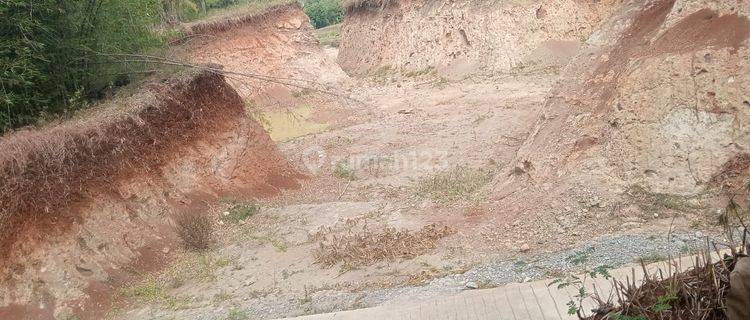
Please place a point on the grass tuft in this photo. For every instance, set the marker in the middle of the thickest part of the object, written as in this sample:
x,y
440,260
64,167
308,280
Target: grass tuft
x,y
344,171
240,212
238,314
451,186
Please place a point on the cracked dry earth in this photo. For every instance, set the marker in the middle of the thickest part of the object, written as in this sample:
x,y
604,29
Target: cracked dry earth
x,y
377,170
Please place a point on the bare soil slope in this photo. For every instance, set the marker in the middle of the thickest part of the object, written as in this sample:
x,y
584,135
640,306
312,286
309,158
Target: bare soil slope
x,y
459,38
662,105
277,46
86,198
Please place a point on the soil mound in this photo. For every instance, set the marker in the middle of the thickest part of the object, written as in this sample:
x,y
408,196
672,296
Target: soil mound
x,y
83,198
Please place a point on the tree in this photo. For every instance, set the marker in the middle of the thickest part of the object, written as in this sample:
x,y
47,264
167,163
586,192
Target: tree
x,y
49,60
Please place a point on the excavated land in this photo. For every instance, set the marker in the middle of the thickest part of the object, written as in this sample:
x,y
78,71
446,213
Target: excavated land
x,y
500,142
87,199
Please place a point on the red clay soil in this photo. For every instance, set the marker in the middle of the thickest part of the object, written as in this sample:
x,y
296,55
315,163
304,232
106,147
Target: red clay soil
x,y
701,29
632,41
50,175
268,45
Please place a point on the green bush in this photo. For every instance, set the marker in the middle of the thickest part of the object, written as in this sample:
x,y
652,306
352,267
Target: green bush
x,y
49,52
324,12
217,4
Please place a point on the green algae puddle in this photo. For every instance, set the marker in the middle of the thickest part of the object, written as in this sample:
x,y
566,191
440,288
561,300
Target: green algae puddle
x,y
288,124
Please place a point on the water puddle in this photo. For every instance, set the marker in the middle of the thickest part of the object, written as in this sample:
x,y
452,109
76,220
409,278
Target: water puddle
x,y
288,124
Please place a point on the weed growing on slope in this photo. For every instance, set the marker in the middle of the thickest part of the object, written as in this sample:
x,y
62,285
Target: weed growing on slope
x,y
344,171
240,212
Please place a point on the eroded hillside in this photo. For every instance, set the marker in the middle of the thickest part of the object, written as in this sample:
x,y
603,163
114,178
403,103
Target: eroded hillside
x,y
455,145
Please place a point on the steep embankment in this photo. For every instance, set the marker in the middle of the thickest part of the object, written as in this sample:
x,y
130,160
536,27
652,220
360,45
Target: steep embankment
x,y
464,37
87,200
650,119
651,109
276,45
663,104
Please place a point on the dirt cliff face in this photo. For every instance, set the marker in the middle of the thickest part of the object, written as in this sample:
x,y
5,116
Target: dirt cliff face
x,y
88,199
652,95
662,106
277,46
458,38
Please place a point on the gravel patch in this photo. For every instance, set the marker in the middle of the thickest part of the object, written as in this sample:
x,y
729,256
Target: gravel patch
x,y
614,251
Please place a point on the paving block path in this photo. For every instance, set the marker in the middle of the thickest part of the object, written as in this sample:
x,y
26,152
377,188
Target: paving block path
x,y
516,301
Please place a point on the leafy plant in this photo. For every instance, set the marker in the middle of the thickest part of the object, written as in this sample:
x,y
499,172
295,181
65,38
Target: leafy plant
x,y
617,316
324,12
578,282
50,53
580,257
663,303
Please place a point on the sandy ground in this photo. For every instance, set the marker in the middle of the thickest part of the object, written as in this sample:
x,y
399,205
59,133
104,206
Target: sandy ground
x,y
371,169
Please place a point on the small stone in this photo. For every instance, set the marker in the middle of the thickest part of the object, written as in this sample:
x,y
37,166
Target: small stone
x,y
242,222
165,250
221,222
472,285
250,281
525,247
226,213
526,279
656,215
698,234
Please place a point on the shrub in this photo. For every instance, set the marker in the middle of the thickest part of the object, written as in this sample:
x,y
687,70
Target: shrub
x,y
216,4
324,12
195,229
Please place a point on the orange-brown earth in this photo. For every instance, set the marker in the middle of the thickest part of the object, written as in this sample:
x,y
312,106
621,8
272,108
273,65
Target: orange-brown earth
x,y
89,198
617,121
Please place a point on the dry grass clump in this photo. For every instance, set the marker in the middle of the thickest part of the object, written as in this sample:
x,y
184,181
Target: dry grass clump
x,y
457,184
351,5
195,229
236,16
368,247
699,293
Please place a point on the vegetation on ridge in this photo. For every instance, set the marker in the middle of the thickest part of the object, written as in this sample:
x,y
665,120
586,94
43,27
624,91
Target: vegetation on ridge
x,y
58,55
